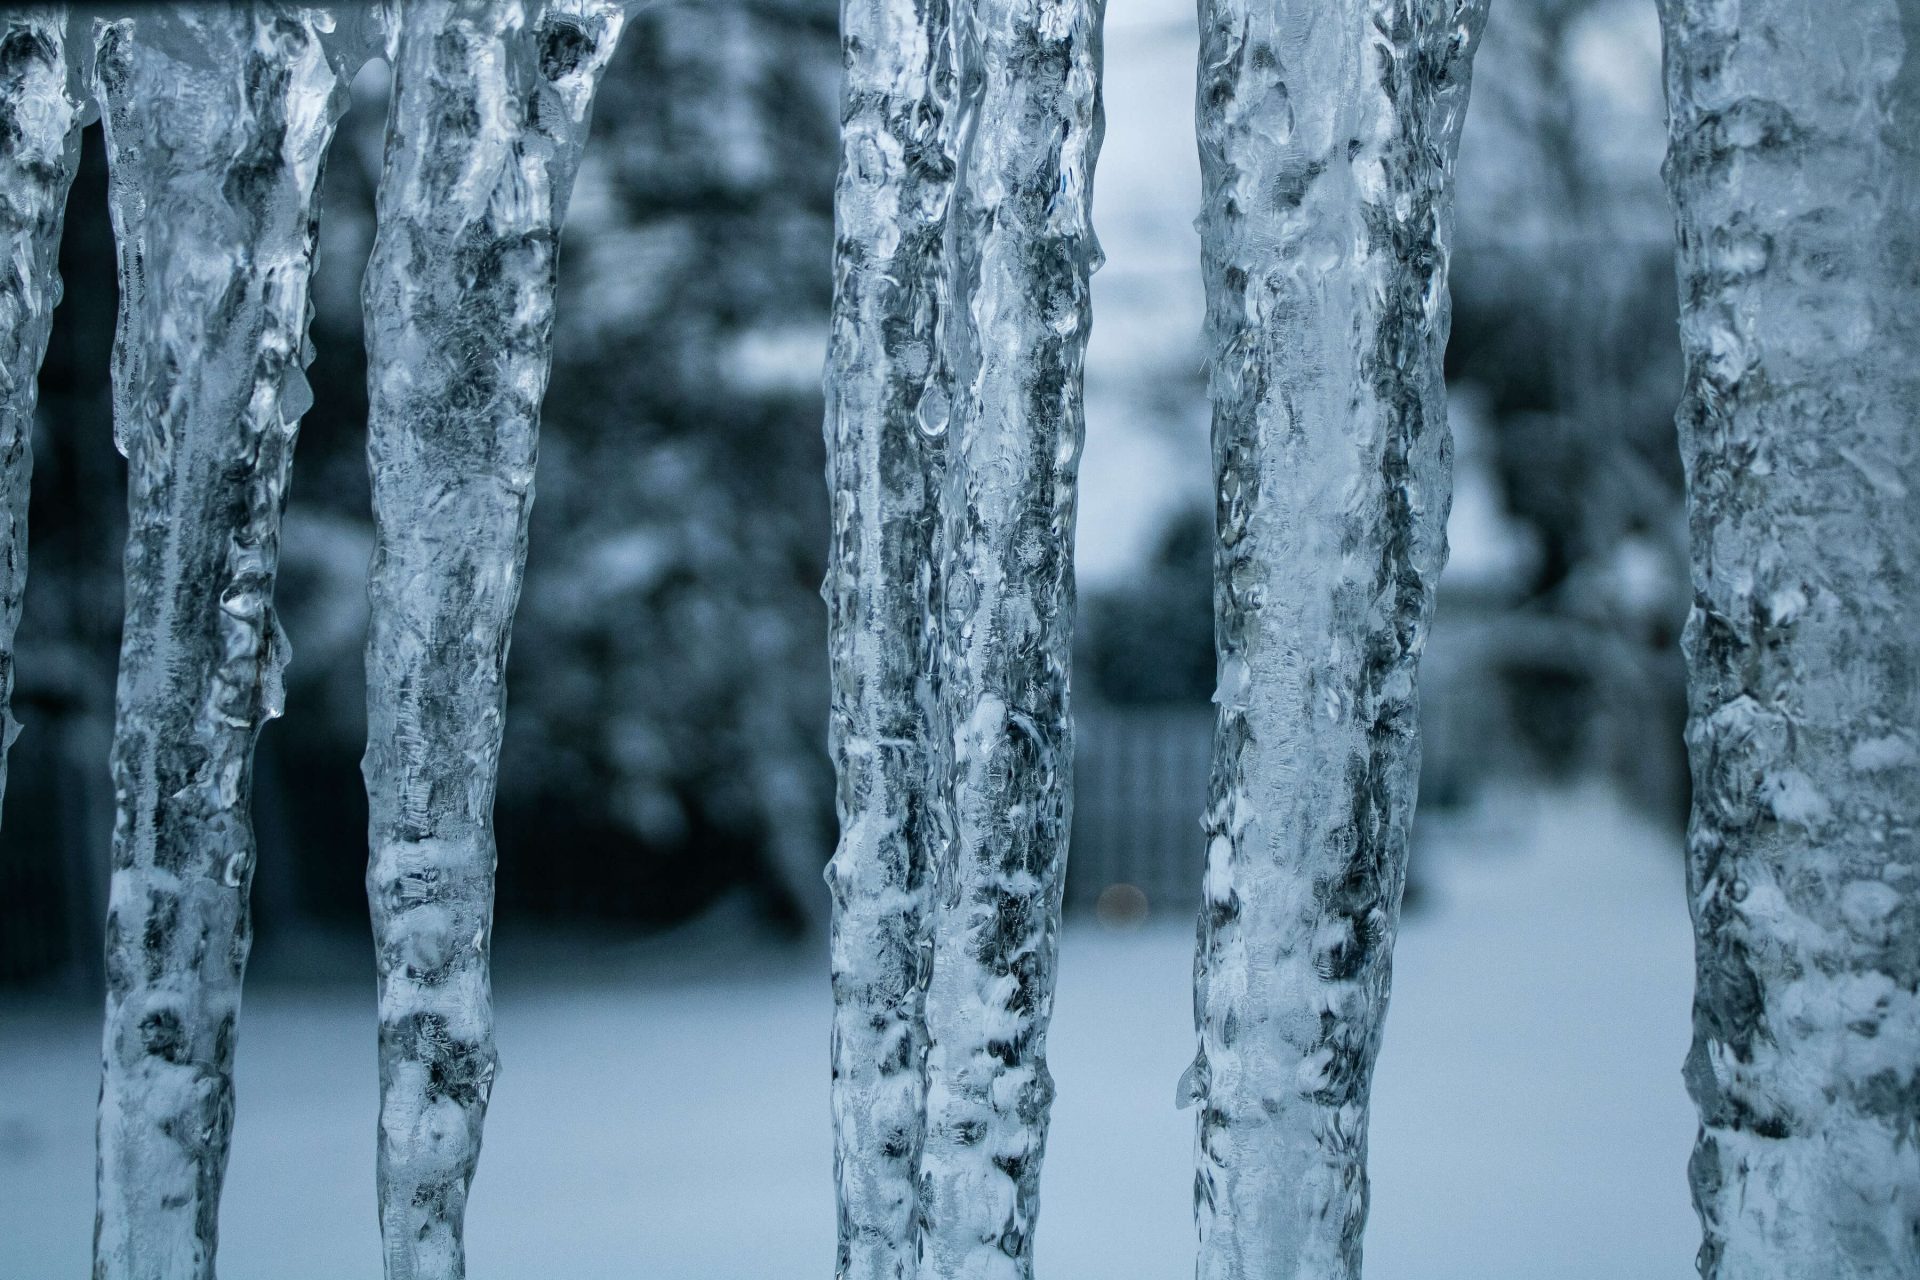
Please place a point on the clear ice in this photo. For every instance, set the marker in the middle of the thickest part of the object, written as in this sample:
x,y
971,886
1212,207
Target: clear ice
x,y
217,121
1022,253
1327,135
1794,169
888,400
41,107
488,117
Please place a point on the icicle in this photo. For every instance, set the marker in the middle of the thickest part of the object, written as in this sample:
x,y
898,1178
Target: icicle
x,y
887,407
1794,167
1022,252
40,112
1326,139
488,118
217,121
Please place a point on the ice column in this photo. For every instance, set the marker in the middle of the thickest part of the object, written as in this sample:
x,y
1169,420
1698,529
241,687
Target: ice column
x,y
888,402
488,118
40,112
1794,168
1023,251
1327,135
217,120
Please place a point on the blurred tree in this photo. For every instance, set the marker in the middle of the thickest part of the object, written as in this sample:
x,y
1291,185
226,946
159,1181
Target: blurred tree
x,y
1555,646
1564,323
1565,305
1151,641
667,686
671,685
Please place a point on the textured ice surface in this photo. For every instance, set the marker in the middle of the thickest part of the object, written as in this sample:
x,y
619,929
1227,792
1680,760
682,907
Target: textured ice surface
x,y
1023,252
487,121
1794,166
1326,139
887,410
40,112
217,121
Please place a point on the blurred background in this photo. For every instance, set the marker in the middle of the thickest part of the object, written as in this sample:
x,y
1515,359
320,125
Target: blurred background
x,y
665,798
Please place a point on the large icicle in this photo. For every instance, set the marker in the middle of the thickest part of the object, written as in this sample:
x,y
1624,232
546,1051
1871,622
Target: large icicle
x,y
1327,135
887,408
1794,167
1023,251
217,121
40,112
488,119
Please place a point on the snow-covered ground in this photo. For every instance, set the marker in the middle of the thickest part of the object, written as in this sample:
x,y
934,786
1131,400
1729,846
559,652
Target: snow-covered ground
x,y
661,1108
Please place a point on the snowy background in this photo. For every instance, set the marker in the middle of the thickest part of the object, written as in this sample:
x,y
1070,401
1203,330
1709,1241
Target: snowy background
x,y
661,1108
661,1105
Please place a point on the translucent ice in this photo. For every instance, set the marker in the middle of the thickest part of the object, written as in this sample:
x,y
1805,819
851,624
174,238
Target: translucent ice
x,y
217,121
1023,251
40,112
1327,135
1794,167
486,125
887,405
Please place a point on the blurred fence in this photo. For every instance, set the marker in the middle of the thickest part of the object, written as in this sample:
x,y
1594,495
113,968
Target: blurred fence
x,y
1140,784
1487,686
1140,780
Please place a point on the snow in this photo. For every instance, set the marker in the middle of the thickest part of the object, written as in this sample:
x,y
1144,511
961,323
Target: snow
x,y
661,1107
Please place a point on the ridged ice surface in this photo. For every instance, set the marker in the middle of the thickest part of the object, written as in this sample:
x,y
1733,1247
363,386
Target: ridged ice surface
x,y
1327,134
40,111
1023,252
1794,166
486,125
887,415
217,121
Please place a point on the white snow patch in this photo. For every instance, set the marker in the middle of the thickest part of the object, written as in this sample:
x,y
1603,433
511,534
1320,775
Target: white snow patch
x,y
1528,1115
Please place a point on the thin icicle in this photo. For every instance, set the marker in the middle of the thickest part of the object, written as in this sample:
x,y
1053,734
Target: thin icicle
x,y
1023,250
887,408
1794,167
488,119
217,121
1326,138
40,112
